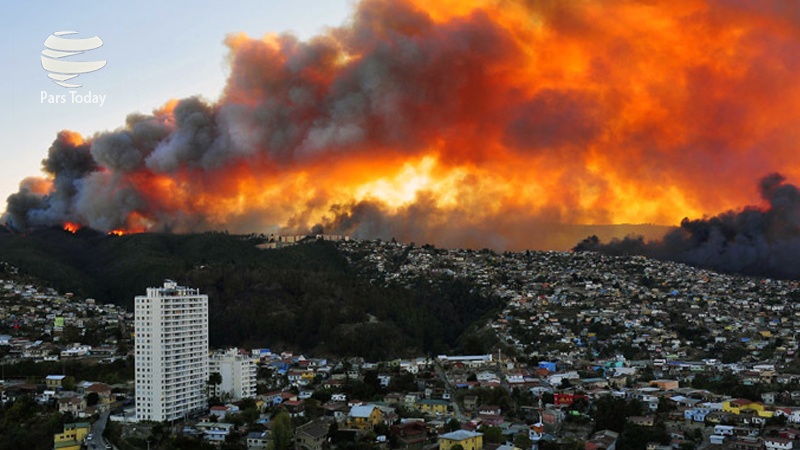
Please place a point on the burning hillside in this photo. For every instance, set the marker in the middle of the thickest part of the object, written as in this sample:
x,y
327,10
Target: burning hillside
x,y
460,123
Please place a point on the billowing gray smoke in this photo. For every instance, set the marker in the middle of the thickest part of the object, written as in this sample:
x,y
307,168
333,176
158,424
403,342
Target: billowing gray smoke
x,y
68,161
752,241
493,123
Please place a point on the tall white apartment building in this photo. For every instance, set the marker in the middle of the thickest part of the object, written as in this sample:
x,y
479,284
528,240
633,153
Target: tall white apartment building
x,y
171,352
238,373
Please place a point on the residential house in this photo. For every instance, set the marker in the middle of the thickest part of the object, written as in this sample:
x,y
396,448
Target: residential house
x,y
337,410
384,380
102,390
72,436
682,401
392,398
790,433
430,406
411,435
364,417
567,398
490,415
665,385
469,440
490,410
219,411
388,413
745,443
312,436
215,432
74,404
696,414
411,399
740,405
276,398
295,408
603,440
55,382
257,440
724,430
777,443
642,421
717,439
300,377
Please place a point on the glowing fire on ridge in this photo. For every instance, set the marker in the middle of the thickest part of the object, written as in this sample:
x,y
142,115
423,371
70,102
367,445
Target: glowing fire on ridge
x,y
71,227
455,122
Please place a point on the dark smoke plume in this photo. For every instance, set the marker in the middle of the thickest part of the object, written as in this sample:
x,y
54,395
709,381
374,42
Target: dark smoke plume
x,y
753,241
476,123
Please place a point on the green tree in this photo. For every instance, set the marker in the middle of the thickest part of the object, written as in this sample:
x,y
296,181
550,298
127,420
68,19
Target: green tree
x,y
312,408
92,398
611,412
214,380
281,431
452,425
522,441
493,435
665,405
68,383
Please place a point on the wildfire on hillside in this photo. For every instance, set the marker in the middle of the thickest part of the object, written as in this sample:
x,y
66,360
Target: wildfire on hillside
x,y
71,227
464,123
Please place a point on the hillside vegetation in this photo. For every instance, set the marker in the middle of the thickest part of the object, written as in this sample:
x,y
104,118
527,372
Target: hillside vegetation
x,y
304,297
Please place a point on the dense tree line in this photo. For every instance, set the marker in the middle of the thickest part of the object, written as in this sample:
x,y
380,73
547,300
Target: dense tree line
x,y
118,371
304,297
26,424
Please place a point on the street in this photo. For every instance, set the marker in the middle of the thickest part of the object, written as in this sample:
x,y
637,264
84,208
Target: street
x,y
98,427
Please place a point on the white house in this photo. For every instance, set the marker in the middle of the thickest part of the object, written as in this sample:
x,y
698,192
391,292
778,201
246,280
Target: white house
x,y
723,430
716,439
777,443
215,432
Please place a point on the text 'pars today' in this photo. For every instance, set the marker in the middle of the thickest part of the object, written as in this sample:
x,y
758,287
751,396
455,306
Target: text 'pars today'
x,y
73,97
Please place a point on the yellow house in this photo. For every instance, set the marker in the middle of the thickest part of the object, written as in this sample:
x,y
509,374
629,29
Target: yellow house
x,y
470,440
364,416
307,376
54,381
740,405
72,437
433,406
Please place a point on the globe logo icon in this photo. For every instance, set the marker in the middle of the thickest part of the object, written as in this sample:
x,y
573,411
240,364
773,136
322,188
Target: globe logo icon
x,y
59,48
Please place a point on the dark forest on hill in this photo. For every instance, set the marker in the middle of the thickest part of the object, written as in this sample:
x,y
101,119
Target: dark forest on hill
x,y
303,297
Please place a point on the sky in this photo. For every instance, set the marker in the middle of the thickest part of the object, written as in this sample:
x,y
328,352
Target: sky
x,y
155,51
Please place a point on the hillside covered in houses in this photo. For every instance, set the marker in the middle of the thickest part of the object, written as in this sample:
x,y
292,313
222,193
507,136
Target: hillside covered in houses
x,y
516,350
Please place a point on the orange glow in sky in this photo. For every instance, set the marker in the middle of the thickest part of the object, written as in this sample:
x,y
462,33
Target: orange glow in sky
x,y
487,117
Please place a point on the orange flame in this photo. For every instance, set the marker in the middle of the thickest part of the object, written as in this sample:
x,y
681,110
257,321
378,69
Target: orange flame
x,y
451,121
72,227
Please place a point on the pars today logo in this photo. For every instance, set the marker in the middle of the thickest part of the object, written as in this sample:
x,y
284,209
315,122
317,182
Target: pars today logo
x,y
61,67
